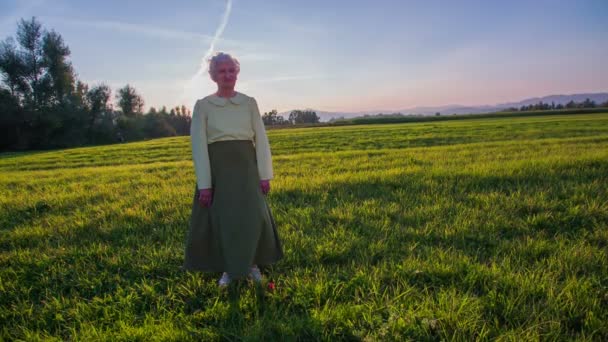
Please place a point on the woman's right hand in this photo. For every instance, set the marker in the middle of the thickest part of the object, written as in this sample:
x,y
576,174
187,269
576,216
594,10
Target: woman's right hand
x,y
205,197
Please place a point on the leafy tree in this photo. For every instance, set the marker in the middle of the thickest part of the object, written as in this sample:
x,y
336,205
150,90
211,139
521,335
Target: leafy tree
x,y
303,116
156,125
59,74
99,101
588,103
101,114
43,105
130,102
180,121
29,36
13,69
10,121
78,98
273,118
129,128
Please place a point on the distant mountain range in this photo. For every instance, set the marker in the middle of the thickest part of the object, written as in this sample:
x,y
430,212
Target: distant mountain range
x,y
460,109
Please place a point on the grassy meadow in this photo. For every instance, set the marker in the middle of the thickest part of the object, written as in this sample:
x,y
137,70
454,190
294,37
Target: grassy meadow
x,y
481,229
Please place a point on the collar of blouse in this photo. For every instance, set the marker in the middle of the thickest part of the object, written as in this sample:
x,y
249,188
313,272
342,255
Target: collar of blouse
x,y
222,101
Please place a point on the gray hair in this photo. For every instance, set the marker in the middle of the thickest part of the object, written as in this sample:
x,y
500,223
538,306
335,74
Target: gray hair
x,y
219,57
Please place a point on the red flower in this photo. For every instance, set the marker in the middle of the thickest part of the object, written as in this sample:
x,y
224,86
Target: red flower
x,y
271,286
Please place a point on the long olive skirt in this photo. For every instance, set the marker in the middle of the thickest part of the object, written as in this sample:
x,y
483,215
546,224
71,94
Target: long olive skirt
x,y
238,229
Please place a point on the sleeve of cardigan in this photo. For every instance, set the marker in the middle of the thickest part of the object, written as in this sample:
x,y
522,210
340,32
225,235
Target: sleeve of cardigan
x,y
262,146
200,153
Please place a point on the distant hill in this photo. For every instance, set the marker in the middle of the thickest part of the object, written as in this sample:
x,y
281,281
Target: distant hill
x,y
460,109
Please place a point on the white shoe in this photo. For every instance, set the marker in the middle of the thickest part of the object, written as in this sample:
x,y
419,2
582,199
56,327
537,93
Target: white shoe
x,y
255,274
224,280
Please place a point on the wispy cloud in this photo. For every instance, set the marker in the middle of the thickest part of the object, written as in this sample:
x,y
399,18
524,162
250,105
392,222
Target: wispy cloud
x,y
138,29
151,31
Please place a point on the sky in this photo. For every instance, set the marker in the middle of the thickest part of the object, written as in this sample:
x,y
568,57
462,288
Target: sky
x,y
341,55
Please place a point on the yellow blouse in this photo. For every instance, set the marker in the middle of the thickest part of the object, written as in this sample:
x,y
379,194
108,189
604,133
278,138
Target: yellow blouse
x,y
216,118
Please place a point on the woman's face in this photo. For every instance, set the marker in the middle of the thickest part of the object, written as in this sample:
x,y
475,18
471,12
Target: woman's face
x,y
225,74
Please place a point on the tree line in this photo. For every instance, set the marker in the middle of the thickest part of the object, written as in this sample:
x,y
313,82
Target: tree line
x,y
272,118
297,116
587,103
43,105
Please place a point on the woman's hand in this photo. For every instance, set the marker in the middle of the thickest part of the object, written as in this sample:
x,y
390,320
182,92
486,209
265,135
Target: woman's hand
x,y
265,185
205,197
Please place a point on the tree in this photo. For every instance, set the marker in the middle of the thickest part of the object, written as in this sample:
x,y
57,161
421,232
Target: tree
x,y
273,118
13,69
156,125
180,122
540,106
59,73
588,103
43,104
78,97
101,118
303,116
30,71
98,99
29,36
10,121
130,102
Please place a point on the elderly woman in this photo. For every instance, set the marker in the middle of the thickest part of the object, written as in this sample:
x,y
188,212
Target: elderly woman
x,y
231,227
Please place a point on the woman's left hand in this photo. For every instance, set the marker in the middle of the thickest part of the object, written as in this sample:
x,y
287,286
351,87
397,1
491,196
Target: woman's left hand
x,y
265,185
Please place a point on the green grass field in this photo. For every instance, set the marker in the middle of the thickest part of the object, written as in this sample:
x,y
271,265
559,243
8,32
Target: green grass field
x,y
458,230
